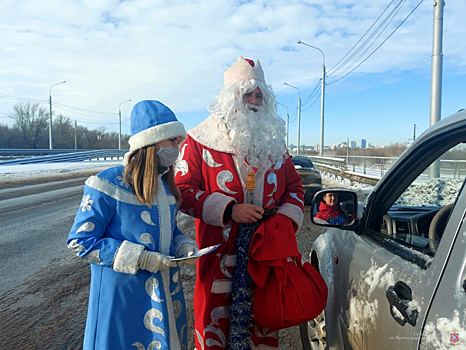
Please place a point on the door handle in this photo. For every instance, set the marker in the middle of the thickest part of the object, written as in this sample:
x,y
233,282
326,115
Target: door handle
x,y
399,297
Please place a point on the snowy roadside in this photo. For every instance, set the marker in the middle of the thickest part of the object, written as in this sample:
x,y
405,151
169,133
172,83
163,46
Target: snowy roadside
x,y
45,170
20,175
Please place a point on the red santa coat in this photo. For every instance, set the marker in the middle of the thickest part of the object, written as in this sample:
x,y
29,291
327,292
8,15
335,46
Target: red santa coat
x,y
210,176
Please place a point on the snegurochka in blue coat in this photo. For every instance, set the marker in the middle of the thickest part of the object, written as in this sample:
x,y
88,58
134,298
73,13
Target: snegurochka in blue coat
x,y
126,228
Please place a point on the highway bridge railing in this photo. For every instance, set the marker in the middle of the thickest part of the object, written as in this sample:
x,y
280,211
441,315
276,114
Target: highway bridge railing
x,y
26,156
368,170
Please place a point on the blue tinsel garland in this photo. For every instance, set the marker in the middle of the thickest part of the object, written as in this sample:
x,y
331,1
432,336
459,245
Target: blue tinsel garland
x,y
242,291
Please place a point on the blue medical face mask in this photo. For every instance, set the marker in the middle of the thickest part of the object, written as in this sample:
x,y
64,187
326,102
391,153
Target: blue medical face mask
x,y
167,156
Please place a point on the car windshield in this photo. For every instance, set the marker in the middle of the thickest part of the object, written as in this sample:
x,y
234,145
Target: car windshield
x,y
304,162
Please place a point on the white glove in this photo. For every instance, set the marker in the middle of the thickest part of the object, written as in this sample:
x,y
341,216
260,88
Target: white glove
x,y
153,261
186,250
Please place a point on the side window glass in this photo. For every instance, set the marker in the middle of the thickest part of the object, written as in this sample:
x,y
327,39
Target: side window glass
x,y
418,217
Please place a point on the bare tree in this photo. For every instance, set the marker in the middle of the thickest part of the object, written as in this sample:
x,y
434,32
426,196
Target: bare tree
x,y
63,134
32,121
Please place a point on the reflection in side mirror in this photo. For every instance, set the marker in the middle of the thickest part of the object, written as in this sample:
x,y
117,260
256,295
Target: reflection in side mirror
x,y
334,208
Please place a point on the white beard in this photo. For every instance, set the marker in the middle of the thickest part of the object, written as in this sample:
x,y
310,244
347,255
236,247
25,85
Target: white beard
x,y
258,137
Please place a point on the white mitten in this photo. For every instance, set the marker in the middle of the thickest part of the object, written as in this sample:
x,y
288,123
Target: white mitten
x,y
186,250
153,261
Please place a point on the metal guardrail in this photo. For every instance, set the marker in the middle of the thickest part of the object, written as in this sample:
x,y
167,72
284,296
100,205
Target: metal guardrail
x,y
6,152
351,176
339,167
71,156
369,170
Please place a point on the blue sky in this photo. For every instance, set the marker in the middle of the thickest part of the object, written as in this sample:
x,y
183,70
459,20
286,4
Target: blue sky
x,y
176,51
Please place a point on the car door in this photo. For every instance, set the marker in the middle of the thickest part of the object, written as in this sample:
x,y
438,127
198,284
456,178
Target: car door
x,y
445,324
389,271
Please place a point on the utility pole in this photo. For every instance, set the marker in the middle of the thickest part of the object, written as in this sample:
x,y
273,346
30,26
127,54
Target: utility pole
x,y
322,102
299,117
287,124
119,122
436,79
75,135
50,116
287,129
414,133
299,123
322,98
347,151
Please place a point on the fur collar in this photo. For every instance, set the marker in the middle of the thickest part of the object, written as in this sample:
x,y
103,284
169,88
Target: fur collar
x,y
210,135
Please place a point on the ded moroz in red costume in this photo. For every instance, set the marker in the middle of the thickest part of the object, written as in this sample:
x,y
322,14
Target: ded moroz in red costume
x,y
211,175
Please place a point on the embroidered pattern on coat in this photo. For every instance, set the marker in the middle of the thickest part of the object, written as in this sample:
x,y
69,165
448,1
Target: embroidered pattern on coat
x,y
86,203
209,159
222,178
182,165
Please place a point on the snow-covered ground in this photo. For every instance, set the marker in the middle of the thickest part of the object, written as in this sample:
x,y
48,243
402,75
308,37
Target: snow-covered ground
x,y
40,170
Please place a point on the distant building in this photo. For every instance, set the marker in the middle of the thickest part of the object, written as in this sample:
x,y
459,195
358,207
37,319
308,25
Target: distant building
x,y
353,144
363,143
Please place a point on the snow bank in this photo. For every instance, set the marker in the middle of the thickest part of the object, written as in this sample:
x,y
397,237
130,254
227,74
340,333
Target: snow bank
x,y
41,170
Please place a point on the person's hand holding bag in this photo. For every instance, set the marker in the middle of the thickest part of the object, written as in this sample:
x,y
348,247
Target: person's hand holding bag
x,y
153,261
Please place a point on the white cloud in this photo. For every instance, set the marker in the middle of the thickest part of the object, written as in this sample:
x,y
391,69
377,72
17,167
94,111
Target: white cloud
x,y
176,51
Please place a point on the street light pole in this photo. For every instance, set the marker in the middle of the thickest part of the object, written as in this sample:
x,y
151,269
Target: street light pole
x,y
322,98
436,76
299,116
119,122
287,124
50,116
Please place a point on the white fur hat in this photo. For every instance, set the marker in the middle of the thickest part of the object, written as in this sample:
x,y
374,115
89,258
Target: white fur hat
x,y
152,122
243,69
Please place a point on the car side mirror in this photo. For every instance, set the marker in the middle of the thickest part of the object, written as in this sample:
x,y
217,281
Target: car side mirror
x,y
334,208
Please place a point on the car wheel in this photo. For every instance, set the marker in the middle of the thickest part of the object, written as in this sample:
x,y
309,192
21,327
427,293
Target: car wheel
x,y
314,334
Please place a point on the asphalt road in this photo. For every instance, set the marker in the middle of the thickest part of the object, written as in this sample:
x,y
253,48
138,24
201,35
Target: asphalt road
x,y
35,221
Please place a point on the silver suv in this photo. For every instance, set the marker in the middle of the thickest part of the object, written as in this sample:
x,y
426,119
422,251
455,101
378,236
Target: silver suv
x,y
395,265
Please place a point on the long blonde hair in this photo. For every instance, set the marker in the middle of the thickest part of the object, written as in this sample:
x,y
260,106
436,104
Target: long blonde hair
x,y
142,173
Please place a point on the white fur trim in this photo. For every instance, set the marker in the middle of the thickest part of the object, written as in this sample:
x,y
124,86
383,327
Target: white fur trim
x,y
214,208
208,134
127,257
293,212
174,340
113,190
156,134
164,219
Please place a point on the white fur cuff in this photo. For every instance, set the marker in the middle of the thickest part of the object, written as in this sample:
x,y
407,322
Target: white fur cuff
x,y
214,208
127,257
293,212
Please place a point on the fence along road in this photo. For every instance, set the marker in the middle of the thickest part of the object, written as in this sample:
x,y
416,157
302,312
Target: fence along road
x,y
369,170
46,156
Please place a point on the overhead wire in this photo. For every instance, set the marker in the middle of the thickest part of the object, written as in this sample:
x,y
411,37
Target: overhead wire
x,y
337,65
312,93
368,43
365,59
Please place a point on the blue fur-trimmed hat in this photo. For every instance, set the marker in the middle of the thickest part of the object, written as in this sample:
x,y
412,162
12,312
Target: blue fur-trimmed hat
x,y
152,122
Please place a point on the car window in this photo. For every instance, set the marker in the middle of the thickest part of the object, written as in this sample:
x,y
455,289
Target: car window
x,y
417,219
304,162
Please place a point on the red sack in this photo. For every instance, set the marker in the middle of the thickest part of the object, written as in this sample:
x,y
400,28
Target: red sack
x,y
286,292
